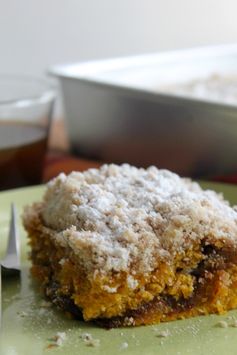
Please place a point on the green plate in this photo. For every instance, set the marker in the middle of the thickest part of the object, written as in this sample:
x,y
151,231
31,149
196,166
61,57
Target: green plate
x,y
29,328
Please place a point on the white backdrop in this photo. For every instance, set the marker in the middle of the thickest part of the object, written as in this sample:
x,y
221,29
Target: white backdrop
x,y
35,34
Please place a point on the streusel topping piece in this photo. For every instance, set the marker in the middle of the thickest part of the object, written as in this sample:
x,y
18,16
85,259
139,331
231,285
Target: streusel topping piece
x,y
116,216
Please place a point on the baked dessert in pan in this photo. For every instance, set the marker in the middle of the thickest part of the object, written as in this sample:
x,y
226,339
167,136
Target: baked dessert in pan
x,y
126,246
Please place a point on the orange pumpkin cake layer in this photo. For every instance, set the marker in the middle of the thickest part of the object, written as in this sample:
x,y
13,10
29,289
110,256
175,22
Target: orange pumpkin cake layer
x,y
126,246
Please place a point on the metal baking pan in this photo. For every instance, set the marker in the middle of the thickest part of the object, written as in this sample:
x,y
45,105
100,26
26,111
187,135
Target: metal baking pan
x,y
118,111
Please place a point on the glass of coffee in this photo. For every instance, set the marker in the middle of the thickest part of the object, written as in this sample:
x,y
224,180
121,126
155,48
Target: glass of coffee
x,y
26,106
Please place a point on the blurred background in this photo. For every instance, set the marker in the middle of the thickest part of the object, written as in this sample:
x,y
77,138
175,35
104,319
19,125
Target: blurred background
x,y
37,34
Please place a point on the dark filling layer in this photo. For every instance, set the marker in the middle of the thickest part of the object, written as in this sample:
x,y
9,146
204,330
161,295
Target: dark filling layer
x,y
61,301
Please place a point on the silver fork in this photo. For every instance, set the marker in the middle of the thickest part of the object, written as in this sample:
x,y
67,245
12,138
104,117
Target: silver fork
x,y
10,265
11,262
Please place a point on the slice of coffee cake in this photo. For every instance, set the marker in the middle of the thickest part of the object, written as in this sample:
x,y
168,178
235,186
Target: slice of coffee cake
x,y
128,246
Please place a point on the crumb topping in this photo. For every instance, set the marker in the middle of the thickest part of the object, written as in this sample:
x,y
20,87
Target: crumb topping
x,y
118,216
163,333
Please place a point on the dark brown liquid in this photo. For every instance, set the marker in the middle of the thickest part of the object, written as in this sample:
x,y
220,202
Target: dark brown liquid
x,y
22,152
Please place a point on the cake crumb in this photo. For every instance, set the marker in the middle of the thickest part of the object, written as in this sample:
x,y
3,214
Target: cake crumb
x,y
129,321
110,289
222,324
234,324
131,282
163,333
89,340
59,338
124,346
51,346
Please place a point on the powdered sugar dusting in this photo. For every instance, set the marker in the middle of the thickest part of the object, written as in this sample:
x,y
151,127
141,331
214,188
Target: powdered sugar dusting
x,y
118,216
